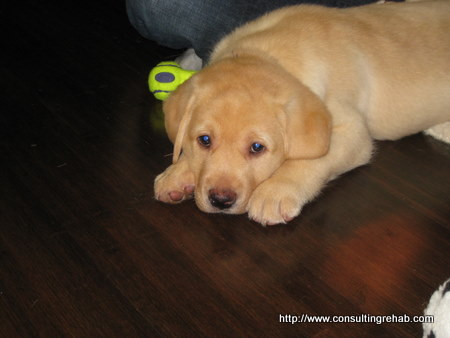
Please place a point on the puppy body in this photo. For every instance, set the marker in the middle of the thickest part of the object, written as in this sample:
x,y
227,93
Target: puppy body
x,y
390,62
314,86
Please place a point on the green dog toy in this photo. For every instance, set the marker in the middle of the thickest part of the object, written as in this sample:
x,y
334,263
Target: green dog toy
x,y
165,77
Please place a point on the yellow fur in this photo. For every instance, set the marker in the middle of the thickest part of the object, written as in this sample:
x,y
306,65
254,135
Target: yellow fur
x,y
315,86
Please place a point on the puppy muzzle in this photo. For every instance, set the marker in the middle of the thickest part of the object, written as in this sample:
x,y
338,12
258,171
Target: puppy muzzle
x,y
222,199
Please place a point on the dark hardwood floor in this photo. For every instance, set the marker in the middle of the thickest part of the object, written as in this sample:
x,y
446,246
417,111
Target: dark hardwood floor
x,y
85,250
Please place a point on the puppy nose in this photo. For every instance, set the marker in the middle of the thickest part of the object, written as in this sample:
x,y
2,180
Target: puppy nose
x,y
222,199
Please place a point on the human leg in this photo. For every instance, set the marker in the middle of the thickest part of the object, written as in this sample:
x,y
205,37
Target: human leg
x,y
200,24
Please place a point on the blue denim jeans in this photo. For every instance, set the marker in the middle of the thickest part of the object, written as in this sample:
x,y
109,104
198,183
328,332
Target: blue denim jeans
x,y
200,24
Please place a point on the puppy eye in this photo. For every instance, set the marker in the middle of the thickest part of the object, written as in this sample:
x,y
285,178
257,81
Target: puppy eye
x,y
256,148
204,140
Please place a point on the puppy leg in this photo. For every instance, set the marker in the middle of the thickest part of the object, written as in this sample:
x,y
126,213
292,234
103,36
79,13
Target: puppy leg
x,y
176,183
281,197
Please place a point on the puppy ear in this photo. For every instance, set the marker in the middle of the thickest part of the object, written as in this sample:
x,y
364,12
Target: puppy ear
x,y
177,115
307,125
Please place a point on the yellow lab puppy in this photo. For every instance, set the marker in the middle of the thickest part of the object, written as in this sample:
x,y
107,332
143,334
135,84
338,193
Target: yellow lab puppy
x,y
296,97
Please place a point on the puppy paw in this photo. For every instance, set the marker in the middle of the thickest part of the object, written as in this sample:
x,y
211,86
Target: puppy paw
x,y
274,203
175,184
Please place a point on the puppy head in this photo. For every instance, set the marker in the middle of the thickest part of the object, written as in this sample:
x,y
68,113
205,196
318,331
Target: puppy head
x,y
236,122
